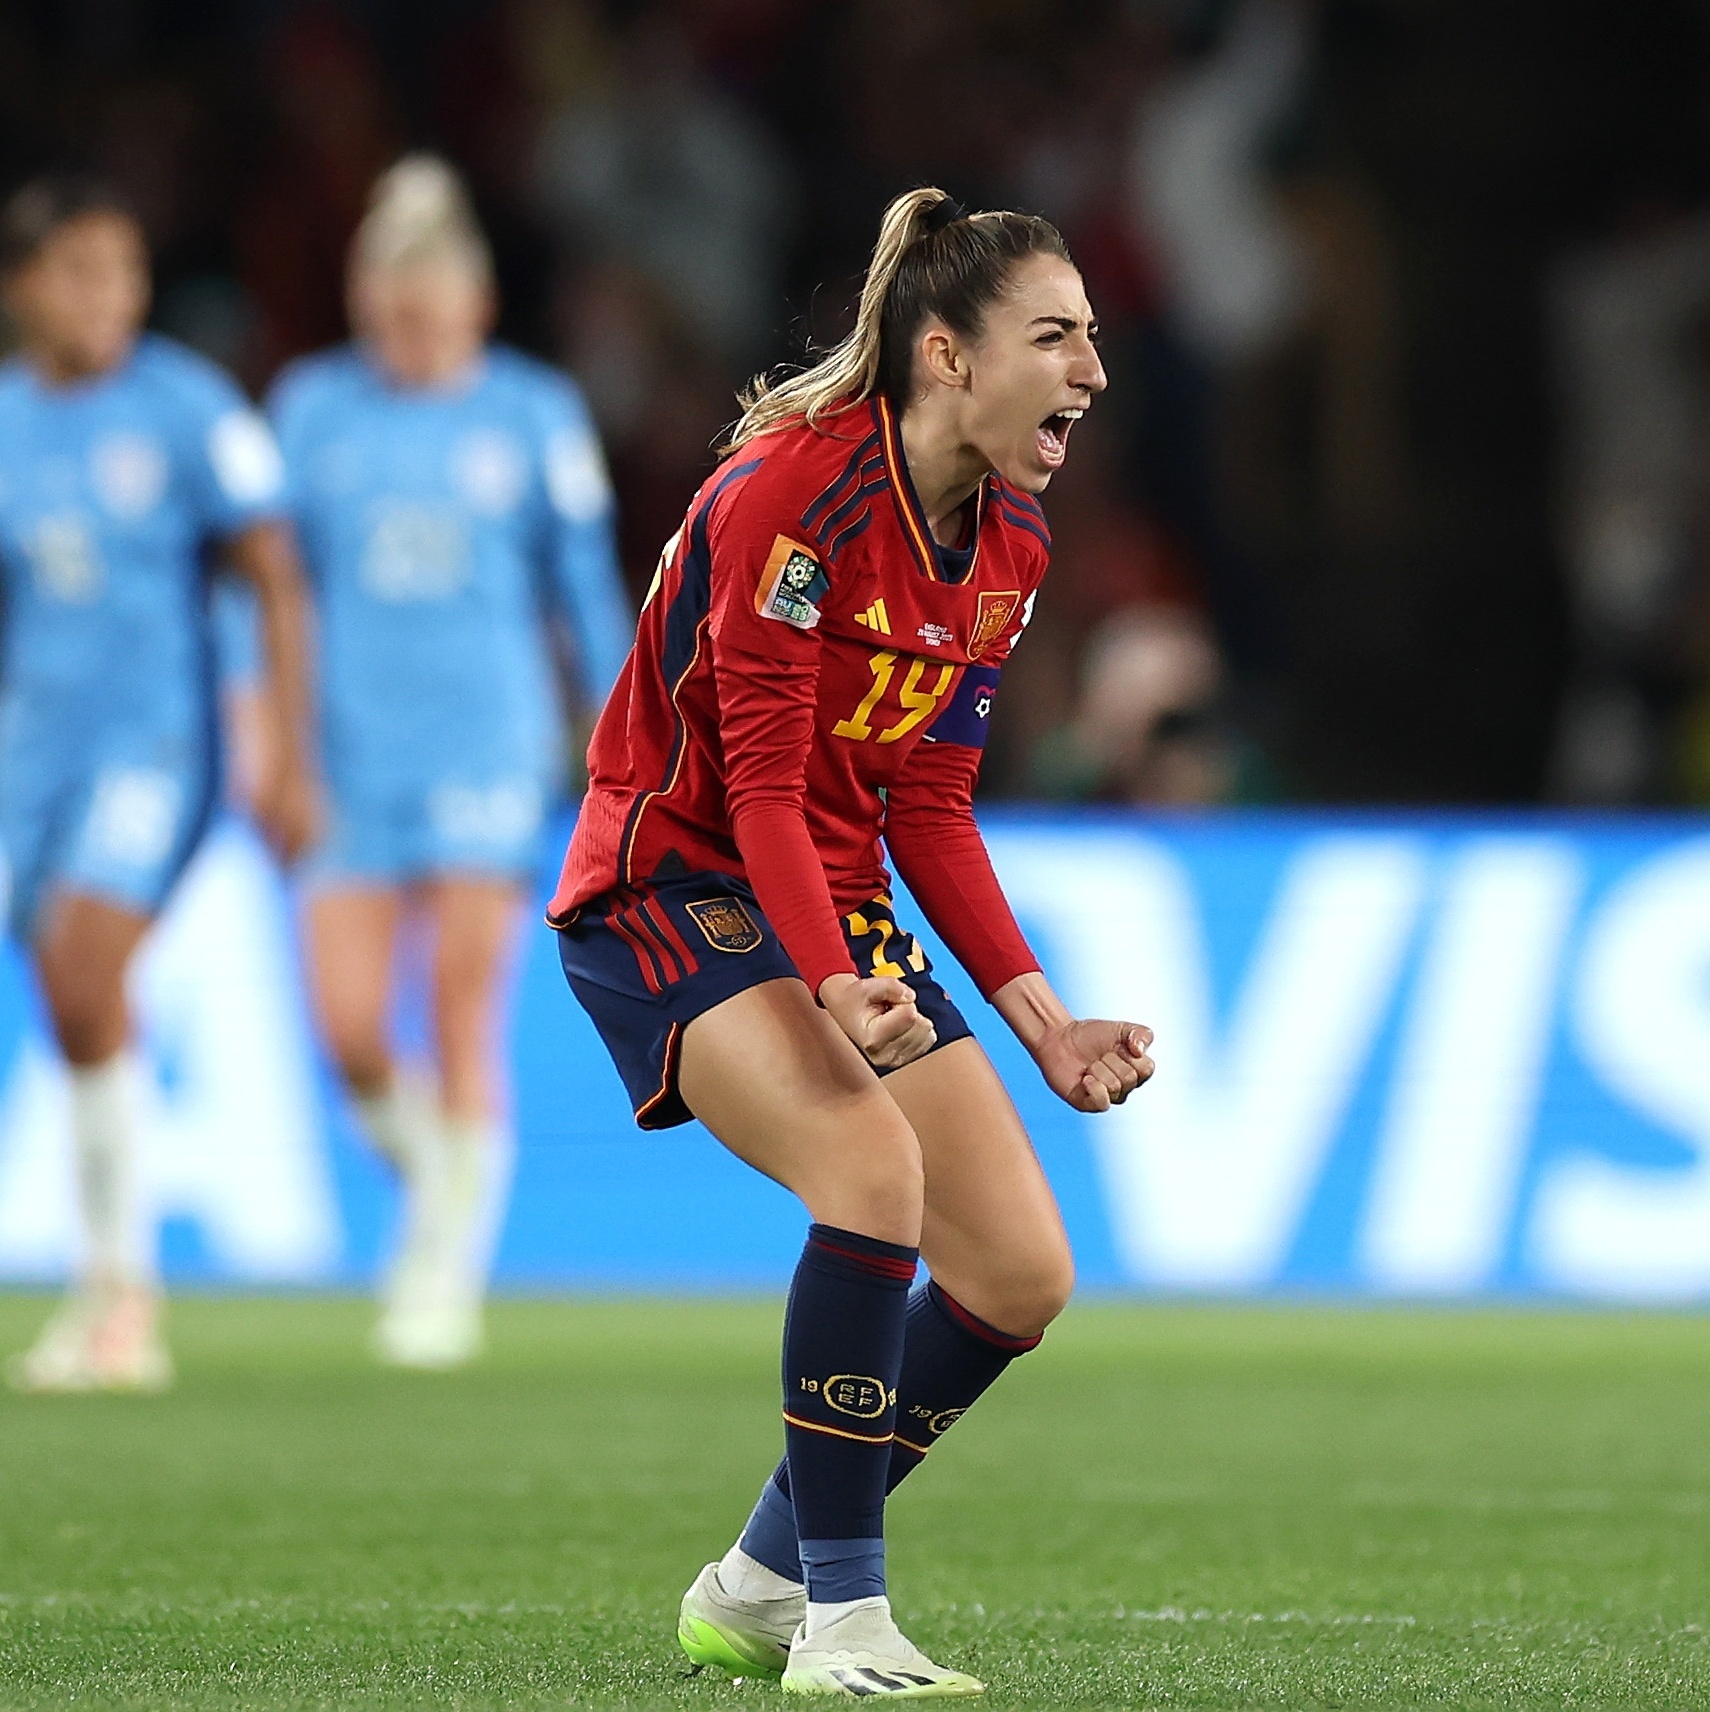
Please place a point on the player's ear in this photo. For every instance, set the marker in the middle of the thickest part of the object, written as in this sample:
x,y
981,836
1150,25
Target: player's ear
x,y
942,358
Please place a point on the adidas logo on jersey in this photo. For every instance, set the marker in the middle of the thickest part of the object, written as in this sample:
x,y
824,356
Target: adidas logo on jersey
x,y
875,618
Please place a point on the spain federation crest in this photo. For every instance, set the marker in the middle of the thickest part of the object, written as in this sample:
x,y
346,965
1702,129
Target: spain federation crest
x,y
994,613
726,923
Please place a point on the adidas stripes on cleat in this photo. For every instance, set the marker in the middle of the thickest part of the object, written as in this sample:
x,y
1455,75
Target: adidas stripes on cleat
x,y
864,1655
743,1636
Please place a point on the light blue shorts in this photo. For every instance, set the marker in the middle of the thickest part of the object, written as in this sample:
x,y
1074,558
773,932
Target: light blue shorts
x,y
120,826
405,832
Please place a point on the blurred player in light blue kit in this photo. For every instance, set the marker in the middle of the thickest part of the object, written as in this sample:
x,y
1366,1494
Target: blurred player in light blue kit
x,y
128,468
454,513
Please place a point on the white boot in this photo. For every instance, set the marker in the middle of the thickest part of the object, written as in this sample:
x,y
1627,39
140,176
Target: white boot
x,y
744,1635
101,1338
862,1654
106,1335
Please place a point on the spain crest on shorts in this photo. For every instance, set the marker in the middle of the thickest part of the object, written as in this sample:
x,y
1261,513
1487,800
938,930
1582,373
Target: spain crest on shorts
x,y
726,923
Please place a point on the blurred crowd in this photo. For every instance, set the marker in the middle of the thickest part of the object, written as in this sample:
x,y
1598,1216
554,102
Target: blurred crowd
x,y
1398,491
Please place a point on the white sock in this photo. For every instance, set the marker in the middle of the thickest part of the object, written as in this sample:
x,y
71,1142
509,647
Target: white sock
x,y
745,1577
480,1156
823,1616
104,1133
403,1122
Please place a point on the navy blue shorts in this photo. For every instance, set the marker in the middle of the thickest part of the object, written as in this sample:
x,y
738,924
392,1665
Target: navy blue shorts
x,y
645,961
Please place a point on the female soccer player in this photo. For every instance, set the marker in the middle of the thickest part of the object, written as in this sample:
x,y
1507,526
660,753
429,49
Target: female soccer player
x,y
813,672
451,498
123,459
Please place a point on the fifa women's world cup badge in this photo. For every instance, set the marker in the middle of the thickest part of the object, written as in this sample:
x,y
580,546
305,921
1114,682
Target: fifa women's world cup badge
x,y
725,923
792,585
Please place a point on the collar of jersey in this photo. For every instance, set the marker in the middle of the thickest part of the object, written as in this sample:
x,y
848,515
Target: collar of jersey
x,y
916,529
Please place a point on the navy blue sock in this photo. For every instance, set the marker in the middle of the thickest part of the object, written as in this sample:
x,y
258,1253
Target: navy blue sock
x,y
843,1352
770,1537
950,1358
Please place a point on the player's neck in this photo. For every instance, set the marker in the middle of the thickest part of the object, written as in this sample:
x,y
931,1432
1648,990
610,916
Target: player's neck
x,y
56,367
944,468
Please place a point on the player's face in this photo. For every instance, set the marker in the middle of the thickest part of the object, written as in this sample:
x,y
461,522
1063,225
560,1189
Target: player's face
x,y
1032,372
80,299
425,324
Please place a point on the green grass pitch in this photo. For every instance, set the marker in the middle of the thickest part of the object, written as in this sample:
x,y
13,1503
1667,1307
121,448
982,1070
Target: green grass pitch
x,y
1165,1506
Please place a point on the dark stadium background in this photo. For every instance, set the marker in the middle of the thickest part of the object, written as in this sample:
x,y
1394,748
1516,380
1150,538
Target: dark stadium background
x,y
1320,546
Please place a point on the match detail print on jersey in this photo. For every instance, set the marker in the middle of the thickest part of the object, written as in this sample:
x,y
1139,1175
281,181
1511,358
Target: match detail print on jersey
x,y
792,585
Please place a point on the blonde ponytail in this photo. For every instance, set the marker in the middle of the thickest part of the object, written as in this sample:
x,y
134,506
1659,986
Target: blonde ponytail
x,y
850,370
933,258
419,214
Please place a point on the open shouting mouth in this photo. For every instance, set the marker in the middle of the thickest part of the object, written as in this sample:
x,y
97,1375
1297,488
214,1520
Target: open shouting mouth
x,y
1053,436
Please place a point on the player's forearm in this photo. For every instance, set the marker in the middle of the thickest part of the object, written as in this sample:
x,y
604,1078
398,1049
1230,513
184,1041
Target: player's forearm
x,y
936,845
789,881
264,557
1031,1008
958,893
597,605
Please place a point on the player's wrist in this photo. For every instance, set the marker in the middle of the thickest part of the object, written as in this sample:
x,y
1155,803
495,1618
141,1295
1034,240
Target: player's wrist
x,y
838,983
1036,1016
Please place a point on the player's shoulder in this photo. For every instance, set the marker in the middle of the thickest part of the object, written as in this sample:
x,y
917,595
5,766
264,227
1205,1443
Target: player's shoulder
x,y
546,393
19,404
783,474
336,375
175,371
15,381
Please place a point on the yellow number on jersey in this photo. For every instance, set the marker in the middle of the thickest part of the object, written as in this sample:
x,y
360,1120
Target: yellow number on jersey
x,y
917,704
882,665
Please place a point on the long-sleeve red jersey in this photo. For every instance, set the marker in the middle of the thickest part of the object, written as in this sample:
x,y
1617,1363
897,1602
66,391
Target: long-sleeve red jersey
x,y
812,674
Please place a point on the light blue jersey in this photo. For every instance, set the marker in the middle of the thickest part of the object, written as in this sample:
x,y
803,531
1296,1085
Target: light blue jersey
x,y
111,493
444,530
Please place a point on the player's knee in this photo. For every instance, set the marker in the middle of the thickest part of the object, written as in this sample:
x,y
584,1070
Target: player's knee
x,y
88,1036
874,1180
89,1019
360,1051
1048,1289
1029,1291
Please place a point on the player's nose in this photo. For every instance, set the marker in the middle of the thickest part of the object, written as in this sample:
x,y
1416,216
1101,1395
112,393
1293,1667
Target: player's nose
x,y
1088,371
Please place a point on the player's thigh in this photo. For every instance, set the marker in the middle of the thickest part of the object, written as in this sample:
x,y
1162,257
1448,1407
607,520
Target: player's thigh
x,y
474,920
991,1234
351,935
775,1079
82,950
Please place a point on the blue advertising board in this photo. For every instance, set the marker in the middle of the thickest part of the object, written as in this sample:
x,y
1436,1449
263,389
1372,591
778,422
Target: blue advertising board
x,y
1426,1056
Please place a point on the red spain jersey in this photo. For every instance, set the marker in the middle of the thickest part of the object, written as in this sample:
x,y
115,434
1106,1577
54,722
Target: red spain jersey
x,y
811,675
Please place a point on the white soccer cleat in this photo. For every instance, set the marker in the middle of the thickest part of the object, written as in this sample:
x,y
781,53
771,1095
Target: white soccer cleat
x,y
98,1339
864,1654
743,1636
429,1335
